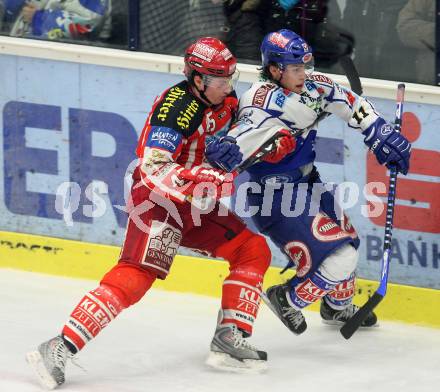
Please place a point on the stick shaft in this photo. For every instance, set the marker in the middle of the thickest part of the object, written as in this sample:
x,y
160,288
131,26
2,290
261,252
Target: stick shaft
x,y
352,324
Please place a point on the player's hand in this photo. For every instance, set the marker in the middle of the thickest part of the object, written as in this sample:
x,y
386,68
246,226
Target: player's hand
x,y
223,153
198,194
390,147
285,145
199,174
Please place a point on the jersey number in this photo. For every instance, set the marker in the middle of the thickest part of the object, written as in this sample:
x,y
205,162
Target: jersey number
x,y
360,114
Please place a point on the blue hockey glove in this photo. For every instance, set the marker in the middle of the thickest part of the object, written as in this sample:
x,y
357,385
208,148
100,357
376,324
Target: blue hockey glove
x,y
223,153
390,147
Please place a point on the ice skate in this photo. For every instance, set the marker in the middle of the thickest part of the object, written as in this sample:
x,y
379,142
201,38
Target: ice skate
x,y
339,317
49,362
293,319
231,351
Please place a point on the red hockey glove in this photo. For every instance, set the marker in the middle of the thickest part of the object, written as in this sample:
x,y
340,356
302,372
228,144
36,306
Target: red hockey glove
x,y
180,184
223,182
204,174
285,145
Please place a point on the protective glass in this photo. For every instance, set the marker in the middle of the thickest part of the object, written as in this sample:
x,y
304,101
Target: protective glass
x,y
221,82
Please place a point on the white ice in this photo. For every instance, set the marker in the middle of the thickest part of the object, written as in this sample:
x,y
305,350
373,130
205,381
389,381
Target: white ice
x,y
160,345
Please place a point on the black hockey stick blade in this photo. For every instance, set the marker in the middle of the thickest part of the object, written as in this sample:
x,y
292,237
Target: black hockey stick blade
x,y
352,74
352,324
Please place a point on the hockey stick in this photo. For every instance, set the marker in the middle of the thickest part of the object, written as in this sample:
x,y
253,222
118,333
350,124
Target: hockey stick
x,y
267,147
351,73
270,145
352,324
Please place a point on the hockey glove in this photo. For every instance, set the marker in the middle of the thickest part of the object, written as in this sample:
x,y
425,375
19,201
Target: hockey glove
x,y
203,174
223,153
390,147
285,145
223,184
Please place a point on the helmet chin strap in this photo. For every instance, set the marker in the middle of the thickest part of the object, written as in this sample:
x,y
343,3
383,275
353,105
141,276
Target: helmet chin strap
x,y
201,92
203,95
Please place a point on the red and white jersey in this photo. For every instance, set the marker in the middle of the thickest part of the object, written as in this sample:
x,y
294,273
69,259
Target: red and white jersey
x,y
174,137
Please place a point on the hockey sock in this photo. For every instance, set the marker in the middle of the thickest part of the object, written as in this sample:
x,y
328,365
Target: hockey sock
x,y
342,295
124,285
249,258
93,313
311,290
241,300
336,273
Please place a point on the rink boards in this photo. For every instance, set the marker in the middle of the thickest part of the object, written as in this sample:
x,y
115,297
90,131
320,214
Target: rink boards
x,y
71,116
202,276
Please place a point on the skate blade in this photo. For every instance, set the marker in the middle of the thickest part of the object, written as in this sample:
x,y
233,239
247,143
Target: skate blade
x,y
224,362
340,323
35,361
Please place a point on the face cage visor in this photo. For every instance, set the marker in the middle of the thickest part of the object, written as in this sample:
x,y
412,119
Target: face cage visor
x,y
221,82
308,67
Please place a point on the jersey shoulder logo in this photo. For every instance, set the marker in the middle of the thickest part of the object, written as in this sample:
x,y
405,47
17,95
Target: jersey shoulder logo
x,y
322,79
261,94
164,138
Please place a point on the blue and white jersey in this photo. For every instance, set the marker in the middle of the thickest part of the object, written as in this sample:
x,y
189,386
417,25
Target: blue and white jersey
x,y
266,108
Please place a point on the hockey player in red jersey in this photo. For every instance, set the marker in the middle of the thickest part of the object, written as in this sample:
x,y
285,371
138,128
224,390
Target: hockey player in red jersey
x,y
170,186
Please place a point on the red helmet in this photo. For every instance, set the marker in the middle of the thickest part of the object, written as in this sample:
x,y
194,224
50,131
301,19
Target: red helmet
x,y
210,56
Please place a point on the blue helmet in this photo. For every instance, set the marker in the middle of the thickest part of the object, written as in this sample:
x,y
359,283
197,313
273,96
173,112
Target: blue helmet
x,y
285,47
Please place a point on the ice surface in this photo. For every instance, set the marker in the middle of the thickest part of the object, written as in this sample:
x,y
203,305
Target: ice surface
x,y
161,343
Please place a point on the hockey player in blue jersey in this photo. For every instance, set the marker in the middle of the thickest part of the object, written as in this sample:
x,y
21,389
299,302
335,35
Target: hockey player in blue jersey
x,y
321,244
